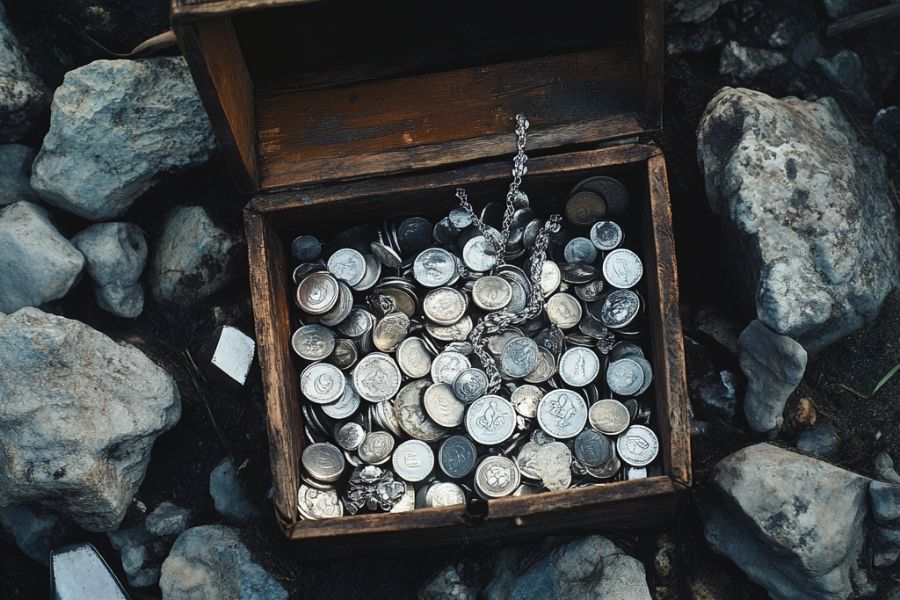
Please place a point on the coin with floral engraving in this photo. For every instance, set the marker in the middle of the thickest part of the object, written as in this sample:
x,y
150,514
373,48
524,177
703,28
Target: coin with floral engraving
x,y
579,366
376,377
445,305
456,456
520,356
562,413
348,265
313,342
609,416
447,365
434,267
376,447
317,293
622,268
606,235
414,358
316,504
637,446
322,383
497,476
563,310
413,461
490,420
323,462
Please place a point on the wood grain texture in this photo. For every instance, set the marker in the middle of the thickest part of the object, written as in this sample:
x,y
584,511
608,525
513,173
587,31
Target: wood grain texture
x,y
185,11
653,54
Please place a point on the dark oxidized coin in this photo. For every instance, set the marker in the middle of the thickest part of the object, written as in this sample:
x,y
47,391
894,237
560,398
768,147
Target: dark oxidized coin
x,y
611,190
306,248
578,273
592,448
585,208
457,456
414,235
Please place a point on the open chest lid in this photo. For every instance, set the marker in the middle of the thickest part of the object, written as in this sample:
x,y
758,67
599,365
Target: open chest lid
x,y
302,92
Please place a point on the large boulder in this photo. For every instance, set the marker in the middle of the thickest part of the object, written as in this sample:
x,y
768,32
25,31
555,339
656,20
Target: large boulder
x,y
808,210
116,254
15,178
23,96
116,127
37,264
792,523
79,416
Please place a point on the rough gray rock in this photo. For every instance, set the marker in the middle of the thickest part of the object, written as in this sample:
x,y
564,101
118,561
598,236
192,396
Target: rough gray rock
x,y
448,584
717,395
693,11
211,563
885,499
887,547
116,127
23,96
115,254
37,264
168,519
141,552
844,69
792,523
807,209
36,533
773,365
194,258
589,568
819,441
743,64
886,127
884,466
228,495
79,417
15,181
723,328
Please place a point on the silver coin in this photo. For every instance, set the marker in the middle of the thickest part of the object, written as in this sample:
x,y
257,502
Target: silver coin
x,y
625,350
519,299
345,354
624,377
620,308
323,462
313,342
376,377
387,255
390,331
434,267
563,310
470,385
579,366
580,250
606,235
444,493
341,309
550,277
622,268
413,460
545,369
322,383
376,448
447,365
607,470
357,323
525,400
637,446
456,456
348,265
589,292
648,373
476,257
554,463
490,420
635,473
407,501
442,405
460,218
578,273
317,293
519,357
497,476
346,405
525,461
444,306
414,234
457,332
371,276
592,448
410,412
562,413
491,293
498,341
401,299
314,504
414,358
350,436
609,416
386,416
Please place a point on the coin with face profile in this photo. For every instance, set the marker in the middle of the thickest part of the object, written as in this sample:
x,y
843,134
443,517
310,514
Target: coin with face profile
x,y
376,447
606,235
376,377
348,265
563,310
520,356
444,306
491,292
580,250
434,267
478,255
470,385
625,377
620,308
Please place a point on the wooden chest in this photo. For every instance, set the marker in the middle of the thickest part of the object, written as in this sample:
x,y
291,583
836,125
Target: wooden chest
x,y
338,113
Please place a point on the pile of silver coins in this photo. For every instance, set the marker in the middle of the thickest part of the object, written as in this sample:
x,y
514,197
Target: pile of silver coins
x,y
397,406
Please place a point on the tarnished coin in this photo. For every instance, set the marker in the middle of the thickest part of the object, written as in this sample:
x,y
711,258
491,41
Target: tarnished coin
x,y
490,420
625,377
387,255
499,340
396,297
625,350
376,447
376,377
580,250
478,255
563,310
637,446
314,504
614,194
386,417
350,436
407,501
444,232
442,405
444,306
648,373
304,269
358,322
550,277
371,276
457,332
592,448
620,308
346,405
410,412
390,331
323,462
414,358
609,416
496,476
579,366
519,357
317,293
606,235
434,267
413,460
460,218
622,268
322,383
545,369
313,342
585,207
519,299
447,365
348,265
470,385
578,273
525,461
554,463
345,354
606,470
414,234
341,309
562,413
444,493
589,292
456,456
306,248
491,293
592,326
525,400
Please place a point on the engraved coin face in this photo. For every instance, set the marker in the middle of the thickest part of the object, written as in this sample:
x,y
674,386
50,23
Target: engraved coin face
x,y
550,277
402,300
606,235
606,470
376,447
442,405
322,383
348,265
614,194
358,322
350,436
460,218
345,354
444,306
579,366
373,273
562,413
447,365
637,446
490,420
444,493
545,369
525,400
313,342
414,358
314,504
609,416
625,377
390,331
456,456
497,476
563,310
592,448
525,461
622,268
554,463
413,460
520,356
476,256
470,385
346,405
409,409
434,267
376,377
499,340
387,255
414,234
648,373
578,272
585,207
625,350
580,250
590,291
457,332
323,462
317,293
491,293
620,308
341,309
